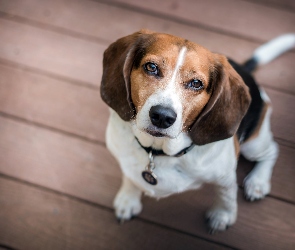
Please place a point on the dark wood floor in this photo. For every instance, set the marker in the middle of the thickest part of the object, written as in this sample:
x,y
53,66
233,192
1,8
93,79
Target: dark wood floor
x,y
57,180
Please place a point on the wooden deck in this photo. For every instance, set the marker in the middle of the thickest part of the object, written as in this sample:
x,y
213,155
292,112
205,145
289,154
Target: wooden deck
x,y
57,180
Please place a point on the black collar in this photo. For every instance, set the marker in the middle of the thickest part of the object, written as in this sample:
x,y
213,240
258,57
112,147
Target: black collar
x,y
156,152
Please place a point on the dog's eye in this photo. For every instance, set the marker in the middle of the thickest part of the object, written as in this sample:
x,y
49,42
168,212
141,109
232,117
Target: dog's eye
x,y
151,68
195,84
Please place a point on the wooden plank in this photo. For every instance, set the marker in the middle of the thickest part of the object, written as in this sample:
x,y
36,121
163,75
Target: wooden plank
x,y
80,110
285,159
58,104
55,16
87,171
225,15
31,218
283,117
51,52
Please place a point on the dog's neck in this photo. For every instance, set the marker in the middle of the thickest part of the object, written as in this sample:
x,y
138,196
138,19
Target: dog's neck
x,y
168,145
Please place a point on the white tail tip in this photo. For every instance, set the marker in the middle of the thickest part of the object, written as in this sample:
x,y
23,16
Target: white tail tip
x,y
272,49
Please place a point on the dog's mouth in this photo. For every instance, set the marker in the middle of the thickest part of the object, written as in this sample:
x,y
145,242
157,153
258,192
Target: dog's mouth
x,y
155,133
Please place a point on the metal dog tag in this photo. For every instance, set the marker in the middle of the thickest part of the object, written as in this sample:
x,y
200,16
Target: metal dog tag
x,y
148,175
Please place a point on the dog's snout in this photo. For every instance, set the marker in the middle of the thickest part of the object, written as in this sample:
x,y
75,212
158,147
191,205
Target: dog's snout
x,y
162,117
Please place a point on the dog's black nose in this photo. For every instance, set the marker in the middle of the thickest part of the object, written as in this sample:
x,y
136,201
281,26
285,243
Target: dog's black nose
x,y
162,117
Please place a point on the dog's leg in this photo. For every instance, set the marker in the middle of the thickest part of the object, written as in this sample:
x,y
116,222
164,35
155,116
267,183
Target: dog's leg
x,y
224,211
127,201
264,150
119,142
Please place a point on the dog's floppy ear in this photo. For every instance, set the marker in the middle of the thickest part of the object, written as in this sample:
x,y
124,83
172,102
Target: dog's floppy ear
x,y
226,107
118,60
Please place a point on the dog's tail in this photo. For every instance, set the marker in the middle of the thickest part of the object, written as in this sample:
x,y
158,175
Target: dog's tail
x,y
269,51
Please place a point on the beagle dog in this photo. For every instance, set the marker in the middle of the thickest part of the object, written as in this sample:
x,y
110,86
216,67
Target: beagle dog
x,y
180,117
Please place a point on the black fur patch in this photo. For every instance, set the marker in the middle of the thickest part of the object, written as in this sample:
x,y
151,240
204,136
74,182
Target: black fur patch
x,y
139,54
210,83
251,119
250,65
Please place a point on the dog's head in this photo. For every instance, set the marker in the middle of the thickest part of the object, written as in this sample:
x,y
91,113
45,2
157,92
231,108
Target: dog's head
x,y
169,85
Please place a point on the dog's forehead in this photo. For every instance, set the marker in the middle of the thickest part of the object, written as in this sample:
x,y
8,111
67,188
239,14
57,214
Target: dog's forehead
x,y
164,42
168,47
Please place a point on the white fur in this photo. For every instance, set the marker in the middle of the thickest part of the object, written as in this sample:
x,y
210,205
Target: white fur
x,y
179,63
272,49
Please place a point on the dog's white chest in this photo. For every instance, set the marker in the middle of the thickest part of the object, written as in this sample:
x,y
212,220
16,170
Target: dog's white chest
x,y
174,174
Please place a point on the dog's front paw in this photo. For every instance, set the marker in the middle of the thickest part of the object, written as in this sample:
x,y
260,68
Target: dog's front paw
x,y
256,188
126,206
220,219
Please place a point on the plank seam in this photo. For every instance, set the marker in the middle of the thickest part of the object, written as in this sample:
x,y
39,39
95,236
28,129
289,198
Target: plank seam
x,y
52,129
48,74
277,89
285,142
7,247
281,199
53,28
283,7
106,208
